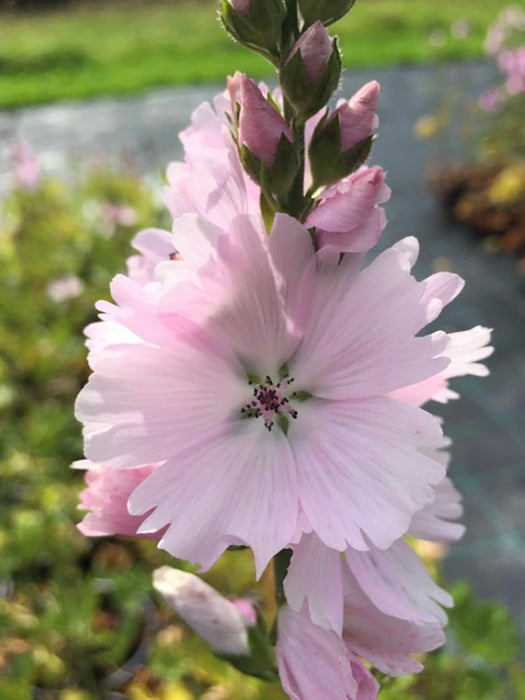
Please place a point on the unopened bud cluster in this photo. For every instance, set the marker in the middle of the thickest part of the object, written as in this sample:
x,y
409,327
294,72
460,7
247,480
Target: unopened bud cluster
x,y
287,144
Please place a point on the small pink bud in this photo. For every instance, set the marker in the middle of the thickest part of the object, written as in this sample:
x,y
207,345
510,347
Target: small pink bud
x,y
242,6
316,47
213,617
357,116
260,124
349,216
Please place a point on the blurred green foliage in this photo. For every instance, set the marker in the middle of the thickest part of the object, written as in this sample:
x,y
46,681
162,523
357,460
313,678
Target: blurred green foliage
x,y
124,47
78,618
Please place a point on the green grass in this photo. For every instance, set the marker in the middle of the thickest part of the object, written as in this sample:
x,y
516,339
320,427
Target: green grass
x,y
126,48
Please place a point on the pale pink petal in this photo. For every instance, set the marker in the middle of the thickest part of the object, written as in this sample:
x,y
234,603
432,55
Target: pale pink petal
x,y
397,583
386,642
313,662
465,349
348,216
315,576
106,497
262,308
144,404
433,521
366,344
373,476
154,246
238,487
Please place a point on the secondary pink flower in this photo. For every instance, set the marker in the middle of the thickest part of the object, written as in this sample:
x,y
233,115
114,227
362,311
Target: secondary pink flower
x,y
244,383
261,126
214,618
315,663
348,217
106,499
210,181
65,288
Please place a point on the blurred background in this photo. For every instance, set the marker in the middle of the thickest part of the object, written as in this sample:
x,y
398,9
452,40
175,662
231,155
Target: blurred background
x,y
92,97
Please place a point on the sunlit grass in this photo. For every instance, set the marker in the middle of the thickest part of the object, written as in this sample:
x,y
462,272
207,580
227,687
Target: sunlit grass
x,y
96,50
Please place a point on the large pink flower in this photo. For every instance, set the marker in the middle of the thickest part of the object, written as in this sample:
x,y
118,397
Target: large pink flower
x,y
261,383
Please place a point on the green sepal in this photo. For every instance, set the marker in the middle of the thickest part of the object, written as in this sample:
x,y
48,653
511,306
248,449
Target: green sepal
x,y
274,181
281,175
252,165
327,11
284,371
267,211
301,395
282,421
328,163
354,157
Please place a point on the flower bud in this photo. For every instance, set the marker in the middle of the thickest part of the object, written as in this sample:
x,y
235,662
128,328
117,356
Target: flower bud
x,y
260,124
312,71
348,216
326,11
255,23
357,115
214,618
341,141
265,140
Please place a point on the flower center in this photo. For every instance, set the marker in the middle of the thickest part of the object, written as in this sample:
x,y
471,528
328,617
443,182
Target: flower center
x,y
271,402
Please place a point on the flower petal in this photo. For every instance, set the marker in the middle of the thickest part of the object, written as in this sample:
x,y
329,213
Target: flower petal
x,y
361,473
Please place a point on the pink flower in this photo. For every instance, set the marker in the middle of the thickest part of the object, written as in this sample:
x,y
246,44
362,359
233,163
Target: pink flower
x,y
214,618
27,170
211,181
348,217
261,126
315,47
243,383
65,288
357,117
315,663
106,497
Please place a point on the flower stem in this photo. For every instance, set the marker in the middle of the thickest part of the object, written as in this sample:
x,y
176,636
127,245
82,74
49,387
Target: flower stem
x,y
281,562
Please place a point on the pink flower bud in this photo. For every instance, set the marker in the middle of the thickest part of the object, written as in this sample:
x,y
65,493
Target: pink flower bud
x,y
260,124
213,617
348,216
316,47
357,115
242,6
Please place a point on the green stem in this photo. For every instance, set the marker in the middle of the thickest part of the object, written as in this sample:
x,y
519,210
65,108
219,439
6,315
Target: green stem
x,y
281,562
